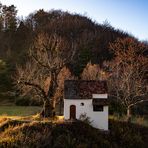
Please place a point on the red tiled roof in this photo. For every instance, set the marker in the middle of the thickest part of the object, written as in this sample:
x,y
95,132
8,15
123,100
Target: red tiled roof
x,y
82,89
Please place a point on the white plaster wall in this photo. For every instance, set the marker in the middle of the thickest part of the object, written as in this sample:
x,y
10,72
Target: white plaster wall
x,y
99,119
101,96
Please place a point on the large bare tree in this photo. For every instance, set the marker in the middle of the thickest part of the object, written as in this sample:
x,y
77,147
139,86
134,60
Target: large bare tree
x,y
129,72
48,55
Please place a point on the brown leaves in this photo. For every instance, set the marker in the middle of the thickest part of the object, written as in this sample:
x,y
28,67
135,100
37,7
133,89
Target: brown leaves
x,y
93,72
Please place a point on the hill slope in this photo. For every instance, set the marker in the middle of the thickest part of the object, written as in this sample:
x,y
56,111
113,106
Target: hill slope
x,y
73,135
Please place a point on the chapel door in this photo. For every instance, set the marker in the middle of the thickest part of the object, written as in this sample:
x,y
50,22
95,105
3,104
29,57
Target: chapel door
x,y
72,112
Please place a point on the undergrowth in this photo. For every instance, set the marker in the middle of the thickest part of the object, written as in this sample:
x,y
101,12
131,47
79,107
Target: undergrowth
x,y
42,134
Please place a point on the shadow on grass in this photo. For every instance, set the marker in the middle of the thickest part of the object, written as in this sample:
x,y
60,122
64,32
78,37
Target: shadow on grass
x,y
16,133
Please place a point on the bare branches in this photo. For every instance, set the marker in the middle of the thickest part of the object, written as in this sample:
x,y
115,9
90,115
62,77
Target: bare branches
x,y
29,78
46,52
40,74
129,70
36,86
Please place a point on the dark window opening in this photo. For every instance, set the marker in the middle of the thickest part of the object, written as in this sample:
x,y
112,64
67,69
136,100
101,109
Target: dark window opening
x,y
97,107
82,104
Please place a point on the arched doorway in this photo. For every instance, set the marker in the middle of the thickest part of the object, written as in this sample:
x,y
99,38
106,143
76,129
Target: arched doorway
x,y
72,112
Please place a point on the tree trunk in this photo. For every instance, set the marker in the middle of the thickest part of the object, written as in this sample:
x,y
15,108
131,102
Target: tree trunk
x,y
128,114
60,106
48,110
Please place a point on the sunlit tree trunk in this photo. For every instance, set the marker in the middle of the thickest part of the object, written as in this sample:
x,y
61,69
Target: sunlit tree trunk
x,y
128,114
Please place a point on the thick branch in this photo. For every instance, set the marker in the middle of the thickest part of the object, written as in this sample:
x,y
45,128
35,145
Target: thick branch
x,y
36,86
138,102
40,63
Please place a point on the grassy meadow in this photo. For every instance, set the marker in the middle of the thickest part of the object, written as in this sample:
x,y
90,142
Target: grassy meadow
x,y
19,110
139,120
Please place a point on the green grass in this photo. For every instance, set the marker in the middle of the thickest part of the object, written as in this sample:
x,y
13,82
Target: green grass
x,y
19,110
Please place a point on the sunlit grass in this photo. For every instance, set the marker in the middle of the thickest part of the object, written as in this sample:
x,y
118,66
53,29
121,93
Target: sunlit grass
x,y
140,120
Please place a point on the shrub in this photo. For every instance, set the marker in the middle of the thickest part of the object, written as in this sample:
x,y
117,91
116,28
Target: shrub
x,y
85,118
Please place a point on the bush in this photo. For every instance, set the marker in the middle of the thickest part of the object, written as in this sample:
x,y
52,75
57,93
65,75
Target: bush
x,y
85,119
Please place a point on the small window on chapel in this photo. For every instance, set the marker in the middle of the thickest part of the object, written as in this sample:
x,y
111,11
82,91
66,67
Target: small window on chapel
x,y
82,104
98,108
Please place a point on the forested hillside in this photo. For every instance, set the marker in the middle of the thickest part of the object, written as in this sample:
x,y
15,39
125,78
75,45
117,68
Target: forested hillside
x,y
90,41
